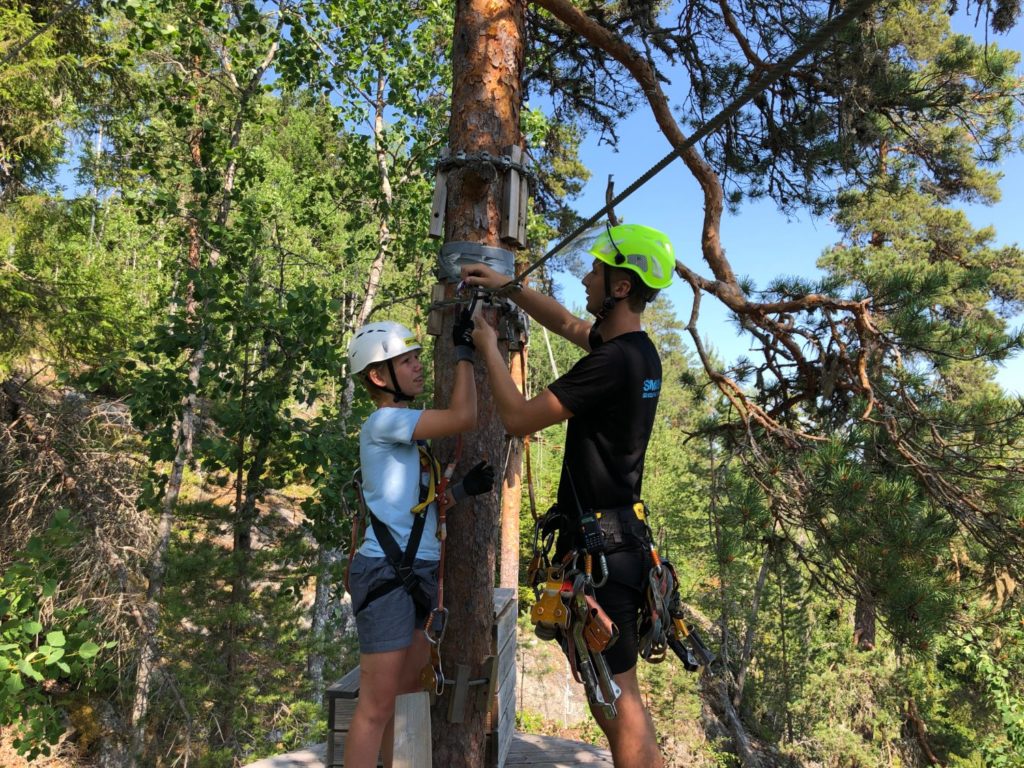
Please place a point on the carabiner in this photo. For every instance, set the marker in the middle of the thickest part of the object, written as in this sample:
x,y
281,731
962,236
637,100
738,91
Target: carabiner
x,y
604,567
442,615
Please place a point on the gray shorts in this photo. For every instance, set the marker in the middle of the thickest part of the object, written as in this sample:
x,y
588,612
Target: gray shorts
x,y
388,623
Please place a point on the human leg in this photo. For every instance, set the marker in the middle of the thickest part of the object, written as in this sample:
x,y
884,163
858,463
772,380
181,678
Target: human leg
x,y
379,677
392,651
631,734
408,681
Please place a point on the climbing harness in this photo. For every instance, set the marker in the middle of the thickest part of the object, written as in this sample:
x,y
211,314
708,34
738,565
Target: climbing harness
x,y
402,561
567,610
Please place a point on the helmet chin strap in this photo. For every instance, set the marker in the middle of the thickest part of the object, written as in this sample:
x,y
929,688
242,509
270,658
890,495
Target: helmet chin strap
x,y
607,305
397,393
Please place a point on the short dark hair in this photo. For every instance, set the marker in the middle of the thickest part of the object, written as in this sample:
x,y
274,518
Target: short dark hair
x,y
640,294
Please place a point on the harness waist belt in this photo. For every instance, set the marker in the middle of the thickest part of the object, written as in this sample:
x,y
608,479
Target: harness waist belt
x,y
611,522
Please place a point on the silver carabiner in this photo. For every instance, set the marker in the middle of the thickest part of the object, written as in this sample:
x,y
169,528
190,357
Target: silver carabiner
x,y
604,567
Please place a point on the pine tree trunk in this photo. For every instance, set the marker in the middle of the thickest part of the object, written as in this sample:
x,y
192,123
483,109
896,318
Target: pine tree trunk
x,y
511,492
487,61
864,622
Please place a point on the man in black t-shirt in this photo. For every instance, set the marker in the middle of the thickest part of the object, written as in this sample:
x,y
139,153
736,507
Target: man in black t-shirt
x,y
609,398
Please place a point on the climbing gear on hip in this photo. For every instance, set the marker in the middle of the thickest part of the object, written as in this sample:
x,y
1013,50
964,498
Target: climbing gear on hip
x,y
663,624
567,610
590,531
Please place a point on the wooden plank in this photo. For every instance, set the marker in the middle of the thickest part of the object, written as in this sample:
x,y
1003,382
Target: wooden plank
x,y
551,752
342,712
412,731
310,757
457,703
506,730
511,198
502,597
347,687
526,750
524,202
439,201
506,690
504,628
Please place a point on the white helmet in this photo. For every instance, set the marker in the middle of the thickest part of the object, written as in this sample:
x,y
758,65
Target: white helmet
x,y
377,342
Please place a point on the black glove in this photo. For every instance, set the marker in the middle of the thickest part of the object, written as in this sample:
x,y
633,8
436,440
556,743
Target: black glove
x,y
462,331
480,479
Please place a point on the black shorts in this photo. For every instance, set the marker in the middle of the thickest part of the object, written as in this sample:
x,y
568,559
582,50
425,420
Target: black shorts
x,y
622,596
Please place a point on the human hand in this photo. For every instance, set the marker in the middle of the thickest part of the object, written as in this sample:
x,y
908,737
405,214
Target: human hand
x,y
480,479
483,276
484,335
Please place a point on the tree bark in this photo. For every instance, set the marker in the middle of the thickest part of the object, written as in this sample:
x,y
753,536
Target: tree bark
x,y
511,491
487,62
864,621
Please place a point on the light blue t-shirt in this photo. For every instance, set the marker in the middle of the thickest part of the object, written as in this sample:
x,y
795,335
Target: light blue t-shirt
x,y
390,464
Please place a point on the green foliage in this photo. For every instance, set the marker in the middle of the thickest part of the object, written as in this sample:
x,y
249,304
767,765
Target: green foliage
x,y
74,292
50,63
44,648
991,661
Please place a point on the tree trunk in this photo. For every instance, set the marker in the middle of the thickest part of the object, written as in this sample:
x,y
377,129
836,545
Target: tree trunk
x,y
149,653
511,491
748,643
327,557
487,61
864,621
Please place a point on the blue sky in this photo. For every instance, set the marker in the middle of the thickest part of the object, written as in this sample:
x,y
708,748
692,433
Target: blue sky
x,y
759,240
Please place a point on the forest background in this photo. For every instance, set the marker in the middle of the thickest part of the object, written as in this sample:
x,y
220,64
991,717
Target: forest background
x,y
200,201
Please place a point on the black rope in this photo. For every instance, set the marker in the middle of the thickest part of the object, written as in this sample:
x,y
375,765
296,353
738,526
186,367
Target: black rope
x,y
776,73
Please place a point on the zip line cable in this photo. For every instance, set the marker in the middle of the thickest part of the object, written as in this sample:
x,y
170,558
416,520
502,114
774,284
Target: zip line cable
x,y
755,87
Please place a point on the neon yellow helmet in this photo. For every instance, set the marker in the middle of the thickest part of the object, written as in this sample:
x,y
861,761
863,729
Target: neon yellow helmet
x,y
641,249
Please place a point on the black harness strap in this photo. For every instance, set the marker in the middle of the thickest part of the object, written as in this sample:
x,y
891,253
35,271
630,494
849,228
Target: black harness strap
x,y
402,562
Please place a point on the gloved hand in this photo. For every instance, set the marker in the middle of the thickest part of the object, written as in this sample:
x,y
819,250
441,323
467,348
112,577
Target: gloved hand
x,y
462,331
480,479
462,336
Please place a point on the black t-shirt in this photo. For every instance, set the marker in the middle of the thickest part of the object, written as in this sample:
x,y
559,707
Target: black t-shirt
x,y
613,395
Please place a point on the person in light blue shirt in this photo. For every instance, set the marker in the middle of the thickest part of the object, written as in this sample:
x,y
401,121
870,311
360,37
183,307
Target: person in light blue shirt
x,y
393,575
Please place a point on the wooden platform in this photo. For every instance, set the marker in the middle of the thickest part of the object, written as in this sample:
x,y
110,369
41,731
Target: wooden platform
x,y
527,750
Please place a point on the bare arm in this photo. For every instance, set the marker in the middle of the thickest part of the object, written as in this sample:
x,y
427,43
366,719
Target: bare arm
x,y
520,416
541,307
459,416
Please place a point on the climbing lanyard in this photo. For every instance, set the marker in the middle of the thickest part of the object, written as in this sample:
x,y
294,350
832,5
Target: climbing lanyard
x,y
437,622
